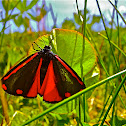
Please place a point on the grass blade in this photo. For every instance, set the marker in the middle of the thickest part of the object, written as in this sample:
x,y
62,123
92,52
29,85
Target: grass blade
x,y
117,65
117,11
74,96
113,99
114,45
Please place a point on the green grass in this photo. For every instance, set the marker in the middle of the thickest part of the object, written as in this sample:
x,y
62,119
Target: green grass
x,y
104,98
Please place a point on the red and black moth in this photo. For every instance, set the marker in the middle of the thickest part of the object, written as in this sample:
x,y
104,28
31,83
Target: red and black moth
x,y
43,73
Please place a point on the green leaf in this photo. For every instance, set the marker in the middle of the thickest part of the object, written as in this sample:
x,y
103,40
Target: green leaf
x,y
68,24
11,17
43,11
9,5
5,4
68,45
26,22
77,19
19,20
32,17
24,2
13,4
96,18
33,2
20,7
37,18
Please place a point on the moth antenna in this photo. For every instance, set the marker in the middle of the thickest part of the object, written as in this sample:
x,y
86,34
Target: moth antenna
x,y
37,45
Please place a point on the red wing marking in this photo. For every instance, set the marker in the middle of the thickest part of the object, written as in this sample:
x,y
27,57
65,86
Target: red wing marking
x,y
72,73
67,94
36,85
20,66
4,87
19,91
49,90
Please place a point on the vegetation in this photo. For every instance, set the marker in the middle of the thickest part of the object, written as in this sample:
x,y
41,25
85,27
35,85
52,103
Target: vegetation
x,y
103,101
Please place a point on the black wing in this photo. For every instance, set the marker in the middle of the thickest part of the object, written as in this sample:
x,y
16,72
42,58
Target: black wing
x,y
60,81
19,80
67,80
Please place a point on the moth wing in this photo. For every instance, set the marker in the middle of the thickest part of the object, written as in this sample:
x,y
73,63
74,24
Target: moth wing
x,y
20,79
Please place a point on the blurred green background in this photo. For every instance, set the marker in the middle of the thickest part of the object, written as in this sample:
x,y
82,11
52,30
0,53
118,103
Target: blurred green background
x,y
23,22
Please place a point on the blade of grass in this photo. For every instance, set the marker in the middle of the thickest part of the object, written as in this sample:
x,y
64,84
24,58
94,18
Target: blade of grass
x,y
74,96
107,102
117,65
83,49
114,110
103,65
118,34
113,117
84,107
113,44
117,11
108,66
79,111
77,8
4,104
112,22
113,99
84,34
121,52
105,105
